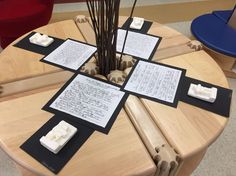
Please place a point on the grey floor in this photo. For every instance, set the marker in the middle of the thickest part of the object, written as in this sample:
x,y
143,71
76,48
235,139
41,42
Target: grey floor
x,y
220,159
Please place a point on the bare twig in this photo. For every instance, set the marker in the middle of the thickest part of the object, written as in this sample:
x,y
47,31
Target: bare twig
x,y
105,16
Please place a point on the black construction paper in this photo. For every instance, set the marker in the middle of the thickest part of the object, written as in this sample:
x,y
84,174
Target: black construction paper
x,y
25,44
81,121
178,92
55,162
221,105
146,26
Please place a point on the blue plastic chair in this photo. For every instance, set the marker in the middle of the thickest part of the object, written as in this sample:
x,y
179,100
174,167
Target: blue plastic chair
x,y
215,32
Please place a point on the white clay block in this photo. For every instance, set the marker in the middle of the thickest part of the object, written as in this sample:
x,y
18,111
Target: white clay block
x,y
137,23
42,40
57,138
203,93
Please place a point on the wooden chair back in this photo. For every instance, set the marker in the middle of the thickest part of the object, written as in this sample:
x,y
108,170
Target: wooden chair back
x,y
232,20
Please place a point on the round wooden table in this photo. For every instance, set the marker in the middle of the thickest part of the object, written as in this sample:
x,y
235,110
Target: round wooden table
x,y
129,148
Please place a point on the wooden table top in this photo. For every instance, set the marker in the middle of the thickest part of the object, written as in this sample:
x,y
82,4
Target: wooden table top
x,y
27,64
198,127
189,129
121,152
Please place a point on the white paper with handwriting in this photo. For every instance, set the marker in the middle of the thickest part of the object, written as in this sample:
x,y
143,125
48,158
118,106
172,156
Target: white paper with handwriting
x,y
71,54
137,44
89,99
155,81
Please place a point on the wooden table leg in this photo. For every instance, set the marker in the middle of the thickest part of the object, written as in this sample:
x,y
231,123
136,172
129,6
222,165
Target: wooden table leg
x,y
226,63
25,172
190,164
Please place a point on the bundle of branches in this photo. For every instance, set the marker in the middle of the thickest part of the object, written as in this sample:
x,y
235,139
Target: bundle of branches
x,y
105,16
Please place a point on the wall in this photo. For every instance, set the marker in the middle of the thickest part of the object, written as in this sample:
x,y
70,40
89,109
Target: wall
x,y
163,13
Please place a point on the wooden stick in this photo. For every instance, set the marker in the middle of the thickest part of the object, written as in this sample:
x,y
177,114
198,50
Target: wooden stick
x,y
104,16
29,84
126,34
163,154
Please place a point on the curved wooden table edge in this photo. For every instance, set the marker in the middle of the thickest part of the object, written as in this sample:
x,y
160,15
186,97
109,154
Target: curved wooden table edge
x,y
18,161
33,170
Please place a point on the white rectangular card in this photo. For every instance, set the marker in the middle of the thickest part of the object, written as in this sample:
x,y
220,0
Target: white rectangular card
x,y
155,81
71,54
89,99
139,45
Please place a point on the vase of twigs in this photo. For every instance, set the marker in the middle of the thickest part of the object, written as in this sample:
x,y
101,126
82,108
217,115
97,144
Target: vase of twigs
x,y
104,15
